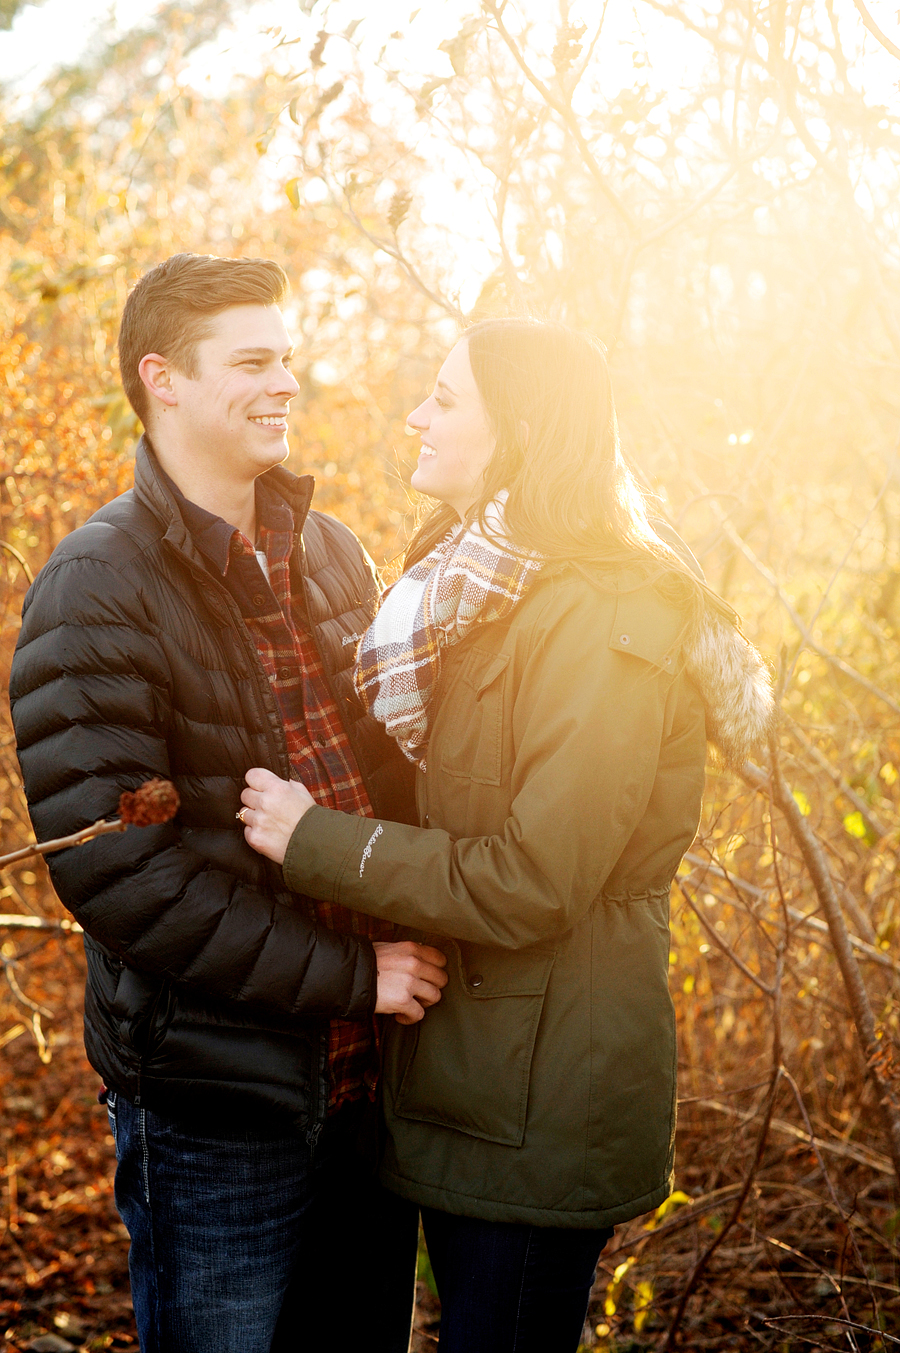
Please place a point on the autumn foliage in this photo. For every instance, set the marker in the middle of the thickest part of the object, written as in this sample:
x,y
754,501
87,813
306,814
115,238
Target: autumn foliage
x,y
729,231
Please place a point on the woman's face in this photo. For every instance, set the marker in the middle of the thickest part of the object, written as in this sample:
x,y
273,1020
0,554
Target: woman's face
x,y
457,442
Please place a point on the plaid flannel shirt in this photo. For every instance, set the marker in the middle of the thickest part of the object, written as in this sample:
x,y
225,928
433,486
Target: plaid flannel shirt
x,y
318,746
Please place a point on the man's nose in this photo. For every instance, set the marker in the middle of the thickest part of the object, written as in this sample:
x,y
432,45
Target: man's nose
x,y
285,384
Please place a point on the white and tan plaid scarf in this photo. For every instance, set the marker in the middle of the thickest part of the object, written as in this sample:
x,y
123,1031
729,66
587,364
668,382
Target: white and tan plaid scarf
x,y
468,579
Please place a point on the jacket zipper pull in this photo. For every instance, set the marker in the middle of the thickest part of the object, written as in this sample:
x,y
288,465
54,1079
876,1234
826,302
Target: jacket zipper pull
x,y
312,1139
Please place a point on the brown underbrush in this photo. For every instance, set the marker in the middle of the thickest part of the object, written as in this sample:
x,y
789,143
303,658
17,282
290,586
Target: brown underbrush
x,y
784,1218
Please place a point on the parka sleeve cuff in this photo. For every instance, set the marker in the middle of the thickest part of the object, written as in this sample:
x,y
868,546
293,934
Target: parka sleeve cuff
x,y
321,849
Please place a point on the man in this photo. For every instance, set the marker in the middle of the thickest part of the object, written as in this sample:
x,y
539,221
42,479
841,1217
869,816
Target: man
x,y
202,623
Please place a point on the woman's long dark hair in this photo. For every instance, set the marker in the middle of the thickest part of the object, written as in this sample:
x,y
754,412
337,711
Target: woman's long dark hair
x,y
572,498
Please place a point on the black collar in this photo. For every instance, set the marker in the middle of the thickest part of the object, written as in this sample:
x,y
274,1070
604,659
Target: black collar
x,y
190,527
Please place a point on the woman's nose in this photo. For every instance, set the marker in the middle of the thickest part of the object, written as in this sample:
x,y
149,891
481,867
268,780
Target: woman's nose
x,y
418,419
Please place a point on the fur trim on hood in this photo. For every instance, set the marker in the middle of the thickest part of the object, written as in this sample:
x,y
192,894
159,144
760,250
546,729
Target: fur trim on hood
x,y
736,687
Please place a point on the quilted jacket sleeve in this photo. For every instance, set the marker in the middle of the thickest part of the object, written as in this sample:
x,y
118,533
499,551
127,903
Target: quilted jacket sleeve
x,y
92,693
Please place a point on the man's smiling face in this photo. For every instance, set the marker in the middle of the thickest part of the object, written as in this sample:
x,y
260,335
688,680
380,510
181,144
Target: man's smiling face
x,y
232,415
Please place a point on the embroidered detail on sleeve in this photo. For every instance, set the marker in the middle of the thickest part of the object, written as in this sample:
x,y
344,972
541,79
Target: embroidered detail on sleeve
x,y
350,639
379,831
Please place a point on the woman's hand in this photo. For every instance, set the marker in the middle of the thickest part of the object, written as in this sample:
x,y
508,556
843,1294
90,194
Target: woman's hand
x,y
272,808
410,975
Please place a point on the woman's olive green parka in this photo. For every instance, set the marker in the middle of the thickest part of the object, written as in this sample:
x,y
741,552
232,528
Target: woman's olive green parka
x,y
564,773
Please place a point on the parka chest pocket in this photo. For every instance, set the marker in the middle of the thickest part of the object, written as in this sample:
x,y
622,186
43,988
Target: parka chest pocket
x,y
471,742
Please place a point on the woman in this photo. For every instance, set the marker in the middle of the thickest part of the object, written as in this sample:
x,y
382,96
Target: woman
x,y
581,663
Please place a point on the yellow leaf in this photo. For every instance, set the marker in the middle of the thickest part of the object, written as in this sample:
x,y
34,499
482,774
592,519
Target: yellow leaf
x,y
854,825
676,1199
802,802
293,193
643,1299
888,773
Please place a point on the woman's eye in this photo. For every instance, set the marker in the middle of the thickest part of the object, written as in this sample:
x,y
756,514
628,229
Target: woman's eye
x,y
441,403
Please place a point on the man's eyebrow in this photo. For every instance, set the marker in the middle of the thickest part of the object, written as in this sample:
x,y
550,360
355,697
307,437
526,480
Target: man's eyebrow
x,y
239,353
445,386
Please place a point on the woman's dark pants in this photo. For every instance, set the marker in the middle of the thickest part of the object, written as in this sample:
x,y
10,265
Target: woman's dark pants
x,y
508,1288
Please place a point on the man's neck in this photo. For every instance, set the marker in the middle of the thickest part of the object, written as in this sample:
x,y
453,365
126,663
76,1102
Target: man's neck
x,y
233,502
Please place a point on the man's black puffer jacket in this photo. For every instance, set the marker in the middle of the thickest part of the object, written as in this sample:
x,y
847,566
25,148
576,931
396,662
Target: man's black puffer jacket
x,y
209,985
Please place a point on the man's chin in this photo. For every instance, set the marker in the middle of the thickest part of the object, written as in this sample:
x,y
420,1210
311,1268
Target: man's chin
x,y
278,455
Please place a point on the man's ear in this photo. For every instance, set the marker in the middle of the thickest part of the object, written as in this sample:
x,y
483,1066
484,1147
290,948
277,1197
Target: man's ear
x,y
155,372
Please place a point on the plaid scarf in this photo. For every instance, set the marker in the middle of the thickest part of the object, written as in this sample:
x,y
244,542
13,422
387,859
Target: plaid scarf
x,y
468,579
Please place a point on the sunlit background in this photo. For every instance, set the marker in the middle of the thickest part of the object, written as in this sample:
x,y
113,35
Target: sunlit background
x,y
713,188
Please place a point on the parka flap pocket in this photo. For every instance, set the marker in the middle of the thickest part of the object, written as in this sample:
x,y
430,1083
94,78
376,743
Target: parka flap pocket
x,y
483,673
471,744
467,1064
487,972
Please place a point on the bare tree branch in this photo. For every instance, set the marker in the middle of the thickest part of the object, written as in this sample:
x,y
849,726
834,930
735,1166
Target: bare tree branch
x,y
876,31
857,995
564,112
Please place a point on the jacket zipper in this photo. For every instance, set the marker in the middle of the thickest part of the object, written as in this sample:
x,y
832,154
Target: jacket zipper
x,y
314,1132
223,596
151,1020
218,599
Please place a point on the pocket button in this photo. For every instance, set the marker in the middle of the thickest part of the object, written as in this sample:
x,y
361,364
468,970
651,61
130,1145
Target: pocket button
x,y
476,980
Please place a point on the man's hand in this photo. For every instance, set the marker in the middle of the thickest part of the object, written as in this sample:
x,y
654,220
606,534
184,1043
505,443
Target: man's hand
x,y
410,978
272,809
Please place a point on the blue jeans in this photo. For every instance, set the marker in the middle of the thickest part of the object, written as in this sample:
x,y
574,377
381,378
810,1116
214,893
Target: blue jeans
x,y
244,1242
509,1288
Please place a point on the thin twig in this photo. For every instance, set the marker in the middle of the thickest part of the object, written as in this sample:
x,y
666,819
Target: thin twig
x,y
722,944
837,663
63,842
874,823
19,558
864,949
704,1260
875,30
399,257
833,1320
857,995
833,1195
565,114
15,922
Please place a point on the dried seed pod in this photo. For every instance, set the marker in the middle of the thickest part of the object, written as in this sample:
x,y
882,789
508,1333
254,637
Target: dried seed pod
x,y
154,802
